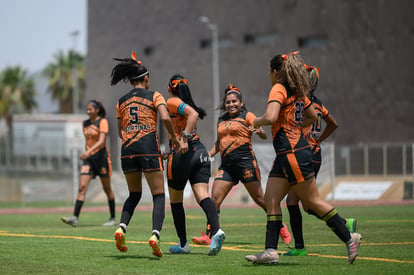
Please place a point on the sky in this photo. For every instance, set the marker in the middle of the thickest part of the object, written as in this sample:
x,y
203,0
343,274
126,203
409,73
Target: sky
x,y
31,32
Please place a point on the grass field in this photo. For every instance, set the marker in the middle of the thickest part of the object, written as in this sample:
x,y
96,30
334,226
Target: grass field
x,y
42,244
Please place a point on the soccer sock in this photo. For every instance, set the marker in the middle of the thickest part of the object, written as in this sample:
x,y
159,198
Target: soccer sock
x,y
178,213
111,204
158,211
296,225
273,226
335,222
210,210
78,207
129,207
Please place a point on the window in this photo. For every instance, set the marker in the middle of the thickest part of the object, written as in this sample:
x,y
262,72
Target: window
x,y
223,43
261,38
313,41
149,50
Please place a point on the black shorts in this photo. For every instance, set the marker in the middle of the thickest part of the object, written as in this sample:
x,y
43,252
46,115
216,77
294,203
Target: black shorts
x,y
244,169
141,163
295,166
317,161
193,166
101,167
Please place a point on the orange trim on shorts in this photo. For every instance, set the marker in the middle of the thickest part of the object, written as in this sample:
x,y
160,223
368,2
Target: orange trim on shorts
x,y
169,169
293,163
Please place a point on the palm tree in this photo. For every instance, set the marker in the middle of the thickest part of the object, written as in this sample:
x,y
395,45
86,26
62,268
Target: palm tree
x,y
17,93
61,79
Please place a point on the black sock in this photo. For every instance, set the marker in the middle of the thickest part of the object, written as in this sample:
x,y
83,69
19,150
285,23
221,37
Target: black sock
x,y
111,204
273,226
178,213
335,222
296,225
129,206
158,211
210,210
78,207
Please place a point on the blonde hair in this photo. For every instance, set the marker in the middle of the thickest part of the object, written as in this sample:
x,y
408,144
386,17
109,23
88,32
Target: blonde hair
x,y
291,71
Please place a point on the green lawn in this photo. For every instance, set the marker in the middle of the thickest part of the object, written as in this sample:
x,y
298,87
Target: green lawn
x,y
42,244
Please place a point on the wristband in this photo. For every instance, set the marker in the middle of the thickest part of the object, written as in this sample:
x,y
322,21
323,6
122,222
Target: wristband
x,y
187,135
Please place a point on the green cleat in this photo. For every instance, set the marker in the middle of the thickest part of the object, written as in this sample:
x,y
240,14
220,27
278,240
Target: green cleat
x,y
351,224
120,240
154,242
296,252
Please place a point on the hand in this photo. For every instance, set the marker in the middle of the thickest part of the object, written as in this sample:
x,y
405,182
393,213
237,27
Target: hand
x,y
85,155
164,155
183,146
254,130
175,143
257,122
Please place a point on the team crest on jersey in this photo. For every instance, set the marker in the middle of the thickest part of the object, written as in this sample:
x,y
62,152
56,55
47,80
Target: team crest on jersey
x,y
247,173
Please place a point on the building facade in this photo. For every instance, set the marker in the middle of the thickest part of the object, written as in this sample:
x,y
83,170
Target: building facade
x,y
363,48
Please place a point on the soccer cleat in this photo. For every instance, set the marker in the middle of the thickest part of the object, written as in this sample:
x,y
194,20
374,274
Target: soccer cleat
x,y
296,252
120,240
216,243
203,240
269,256
351,224
285,235
110,222
154,242
177,249
71,220
353,246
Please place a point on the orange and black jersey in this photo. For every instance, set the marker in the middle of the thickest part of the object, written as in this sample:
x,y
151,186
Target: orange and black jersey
x,y
313,132
92,130
176,108
234,135
137,114
287,130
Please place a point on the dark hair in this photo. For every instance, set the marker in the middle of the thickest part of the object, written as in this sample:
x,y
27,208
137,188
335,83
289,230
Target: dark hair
x,y
230,89
179,87
129,69
97,104
291,72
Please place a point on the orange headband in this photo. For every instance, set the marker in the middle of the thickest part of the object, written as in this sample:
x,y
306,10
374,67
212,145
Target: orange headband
x,y
134,57
284,56
175,83
312,67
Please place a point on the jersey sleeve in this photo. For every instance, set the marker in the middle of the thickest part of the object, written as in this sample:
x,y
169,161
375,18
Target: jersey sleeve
x,y
277,94
103,126
118,112
307,102
249,118
176,105
158,99
324,111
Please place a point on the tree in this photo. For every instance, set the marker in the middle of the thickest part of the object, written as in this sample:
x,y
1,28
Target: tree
x,y
61,79
17,92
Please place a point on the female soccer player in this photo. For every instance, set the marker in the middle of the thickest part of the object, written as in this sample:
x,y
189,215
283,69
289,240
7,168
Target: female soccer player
x,y
140,153
96,161
194,165
288,111
315,136
238,162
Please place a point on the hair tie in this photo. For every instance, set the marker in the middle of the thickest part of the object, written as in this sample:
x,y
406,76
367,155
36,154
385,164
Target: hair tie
x,y
232,89
134,57
174,83
284,56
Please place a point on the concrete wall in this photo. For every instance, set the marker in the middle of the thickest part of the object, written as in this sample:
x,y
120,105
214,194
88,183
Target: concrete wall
x,y
364,50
